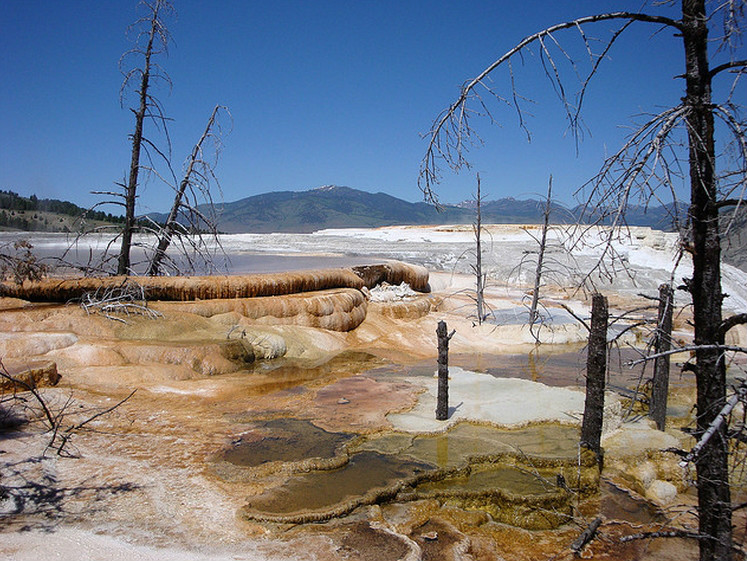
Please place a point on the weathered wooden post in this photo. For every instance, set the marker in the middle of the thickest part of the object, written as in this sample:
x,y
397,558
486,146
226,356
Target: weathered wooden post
x,y
662,344
442,403
596,372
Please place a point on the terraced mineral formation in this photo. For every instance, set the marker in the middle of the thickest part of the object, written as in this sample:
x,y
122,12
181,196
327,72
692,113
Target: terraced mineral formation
x,y
185,288
336,310
513,486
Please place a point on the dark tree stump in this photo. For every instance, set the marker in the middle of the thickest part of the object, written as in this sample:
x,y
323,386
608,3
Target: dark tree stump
x,y
662,343
596,372
442,404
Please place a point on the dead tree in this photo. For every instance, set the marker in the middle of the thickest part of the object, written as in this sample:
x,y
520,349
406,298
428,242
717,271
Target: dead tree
x,y
596,374
533,313
648,165
186,217
153,32
550,262
662,343
477,268
192,215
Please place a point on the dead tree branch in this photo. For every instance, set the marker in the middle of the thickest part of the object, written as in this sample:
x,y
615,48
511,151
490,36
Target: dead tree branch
x,y
739,394
29,386
451,132
54,416
586,536
127,299
198,176
68,433
153,31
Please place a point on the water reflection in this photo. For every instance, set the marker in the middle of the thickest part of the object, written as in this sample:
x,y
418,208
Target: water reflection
x,y
454,447
321,490
552,365
286,440
516,481
293,375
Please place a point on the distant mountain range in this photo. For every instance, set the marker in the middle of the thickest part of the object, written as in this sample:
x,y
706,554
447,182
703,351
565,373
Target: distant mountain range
x,y
342,207
734,242
333,206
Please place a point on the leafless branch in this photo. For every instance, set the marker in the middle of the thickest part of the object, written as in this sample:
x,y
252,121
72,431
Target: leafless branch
x,y
127,299
451,132
29,386
662,534
728,65
689,348
732,321
54,415
576,317
72,429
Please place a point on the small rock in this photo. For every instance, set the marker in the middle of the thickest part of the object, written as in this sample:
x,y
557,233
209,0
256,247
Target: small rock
x,y
645,473
22,374
430,536
661,492
343,401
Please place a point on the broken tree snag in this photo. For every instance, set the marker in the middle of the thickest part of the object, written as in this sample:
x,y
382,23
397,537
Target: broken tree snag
x,y
442,403
596,371
662,344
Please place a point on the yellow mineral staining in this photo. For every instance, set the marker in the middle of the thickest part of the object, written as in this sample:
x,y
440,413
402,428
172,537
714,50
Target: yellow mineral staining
x,y
513,488
22,374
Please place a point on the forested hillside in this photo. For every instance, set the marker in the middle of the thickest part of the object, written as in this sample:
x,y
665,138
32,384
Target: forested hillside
x,y
46,215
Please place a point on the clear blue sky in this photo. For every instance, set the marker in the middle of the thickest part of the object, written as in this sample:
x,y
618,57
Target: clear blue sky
x,y
321,92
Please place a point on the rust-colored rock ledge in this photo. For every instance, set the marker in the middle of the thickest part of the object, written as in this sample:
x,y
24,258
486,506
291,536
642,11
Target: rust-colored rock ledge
x,y
231,286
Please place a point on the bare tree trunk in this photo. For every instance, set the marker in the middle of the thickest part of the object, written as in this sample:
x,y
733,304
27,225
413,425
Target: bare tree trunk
x,y
596,372
442,403
714,498
480,288
167,233
663,342
533,313
123,263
